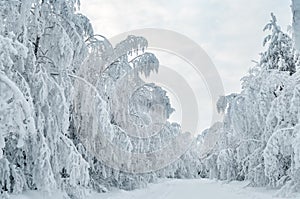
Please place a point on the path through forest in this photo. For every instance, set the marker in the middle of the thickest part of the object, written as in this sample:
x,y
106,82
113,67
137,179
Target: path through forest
x,y
193,189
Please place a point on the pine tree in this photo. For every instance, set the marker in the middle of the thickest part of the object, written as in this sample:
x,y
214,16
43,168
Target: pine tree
x,y
280,53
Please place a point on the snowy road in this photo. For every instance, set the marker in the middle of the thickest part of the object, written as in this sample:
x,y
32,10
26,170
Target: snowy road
x,y
192,189
178,189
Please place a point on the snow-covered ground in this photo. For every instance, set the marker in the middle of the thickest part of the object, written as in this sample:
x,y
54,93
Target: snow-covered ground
x,y
182,189
193,189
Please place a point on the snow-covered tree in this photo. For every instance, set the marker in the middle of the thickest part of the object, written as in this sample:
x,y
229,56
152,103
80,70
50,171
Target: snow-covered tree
x,y
41,42
280,52
259,125
67,93
131,118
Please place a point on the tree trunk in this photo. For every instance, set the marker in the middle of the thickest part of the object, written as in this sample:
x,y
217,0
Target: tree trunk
x,y
296,22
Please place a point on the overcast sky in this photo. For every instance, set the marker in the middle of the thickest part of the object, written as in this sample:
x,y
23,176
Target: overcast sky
x,y
230,31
